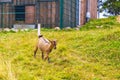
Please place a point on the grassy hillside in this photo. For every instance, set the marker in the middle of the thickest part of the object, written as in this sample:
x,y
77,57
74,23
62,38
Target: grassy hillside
x,y
104,23
88,54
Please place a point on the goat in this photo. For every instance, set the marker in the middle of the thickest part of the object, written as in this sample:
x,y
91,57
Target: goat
x,y
45,46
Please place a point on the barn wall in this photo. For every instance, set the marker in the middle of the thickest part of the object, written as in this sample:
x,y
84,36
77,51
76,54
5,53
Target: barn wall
x,y
49,14
23,2
30,14
83,12
69,13
93,9
0,16
5,15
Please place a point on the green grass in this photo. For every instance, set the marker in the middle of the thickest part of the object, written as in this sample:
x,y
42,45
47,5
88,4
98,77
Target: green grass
x,y
92,54
105,23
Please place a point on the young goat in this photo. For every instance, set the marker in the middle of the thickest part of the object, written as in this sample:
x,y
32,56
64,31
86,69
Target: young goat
x,y
45,46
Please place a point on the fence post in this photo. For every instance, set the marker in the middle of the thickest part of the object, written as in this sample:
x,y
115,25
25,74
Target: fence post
x,y
61,13
2,16
39,26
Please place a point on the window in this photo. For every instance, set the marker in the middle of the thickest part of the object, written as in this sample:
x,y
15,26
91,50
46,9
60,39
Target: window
x,y
20,13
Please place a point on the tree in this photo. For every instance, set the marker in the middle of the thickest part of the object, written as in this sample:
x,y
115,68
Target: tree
x,y
99,6
112,7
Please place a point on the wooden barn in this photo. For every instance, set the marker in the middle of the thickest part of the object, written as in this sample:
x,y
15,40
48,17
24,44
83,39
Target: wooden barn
x,y
50,13
87,6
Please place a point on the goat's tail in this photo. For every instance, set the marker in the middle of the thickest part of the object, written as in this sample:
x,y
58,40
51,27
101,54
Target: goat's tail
x,y
40,36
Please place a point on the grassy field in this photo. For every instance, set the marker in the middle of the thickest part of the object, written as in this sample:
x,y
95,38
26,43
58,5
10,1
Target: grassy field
x,y
88,54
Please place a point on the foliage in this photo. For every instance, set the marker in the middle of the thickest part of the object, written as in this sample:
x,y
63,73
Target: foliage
x,y
80,55
112,7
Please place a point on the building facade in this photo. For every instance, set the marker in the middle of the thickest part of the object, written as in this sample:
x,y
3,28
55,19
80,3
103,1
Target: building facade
x,y
87,6
50,13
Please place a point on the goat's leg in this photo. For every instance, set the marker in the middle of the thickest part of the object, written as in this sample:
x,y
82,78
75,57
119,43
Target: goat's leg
x,y
35,51
48,60
42,55
47,57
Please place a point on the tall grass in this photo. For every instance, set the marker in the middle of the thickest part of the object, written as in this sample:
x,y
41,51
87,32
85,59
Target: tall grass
x,y
6,72
80,55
